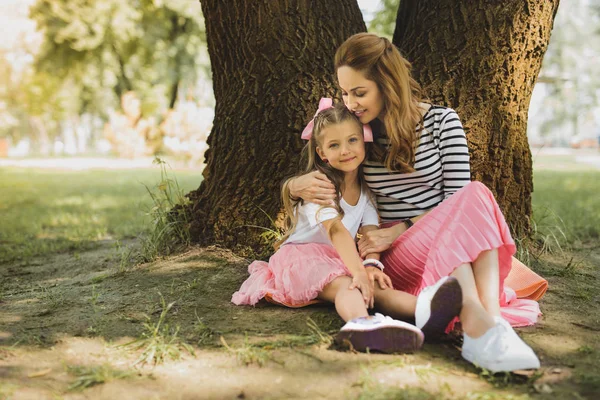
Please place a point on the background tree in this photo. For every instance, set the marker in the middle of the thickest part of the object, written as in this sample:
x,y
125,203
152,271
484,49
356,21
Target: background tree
x,y
384,20
483,58
106,48
569,75
31,104
271,63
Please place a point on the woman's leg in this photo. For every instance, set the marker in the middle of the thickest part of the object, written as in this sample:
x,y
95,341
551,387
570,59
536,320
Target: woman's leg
x,y
487,279
349,304
475,319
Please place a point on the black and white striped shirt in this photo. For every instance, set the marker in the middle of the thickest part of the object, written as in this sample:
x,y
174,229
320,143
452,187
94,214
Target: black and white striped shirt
x,y
441,168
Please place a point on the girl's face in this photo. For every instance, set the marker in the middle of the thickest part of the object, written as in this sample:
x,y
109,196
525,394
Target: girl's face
x,y
342,145
361,96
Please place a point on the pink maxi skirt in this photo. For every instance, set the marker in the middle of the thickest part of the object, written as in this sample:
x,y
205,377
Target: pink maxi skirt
x,y
293,277
453,233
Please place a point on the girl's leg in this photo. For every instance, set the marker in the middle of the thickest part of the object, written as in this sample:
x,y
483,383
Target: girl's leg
x,y
365,333
396,304
474,317
349,304
487,279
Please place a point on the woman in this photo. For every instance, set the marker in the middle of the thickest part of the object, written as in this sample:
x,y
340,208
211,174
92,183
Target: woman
x,y
419,172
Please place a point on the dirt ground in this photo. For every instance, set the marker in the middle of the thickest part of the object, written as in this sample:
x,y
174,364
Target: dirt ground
x,y
64,321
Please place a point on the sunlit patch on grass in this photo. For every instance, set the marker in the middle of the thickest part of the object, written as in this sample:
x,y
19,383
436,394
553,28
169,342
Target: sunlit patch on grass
x,y
55,211
69,201
7,318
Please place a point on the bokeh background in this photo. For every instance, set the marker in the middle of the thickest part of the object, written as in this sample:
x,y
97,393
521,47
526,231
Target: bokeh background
x,y
138,82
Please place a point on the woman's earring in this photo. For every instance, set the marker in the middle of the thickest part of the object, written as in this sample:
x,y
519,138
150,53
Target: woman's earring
x,y
326,161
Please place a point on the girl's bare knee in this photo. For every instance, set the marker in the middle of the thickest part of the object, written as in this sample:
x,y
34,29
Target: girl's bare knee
x,y
331,290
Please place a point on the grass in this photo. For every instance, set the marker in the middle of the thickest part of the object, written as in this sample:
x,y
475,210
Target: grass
x,y
371,389
169,222
159,341
52,211
91,376
259,352
96,294
566,206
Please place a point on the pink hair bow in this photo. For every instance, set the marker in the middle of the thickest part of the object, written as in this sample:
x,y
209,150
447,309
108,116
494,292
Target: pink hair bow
x,y
324,104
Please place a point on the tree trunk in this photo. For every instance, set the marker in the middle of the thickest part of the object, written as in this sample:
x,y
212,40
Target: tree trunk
x,y
271,62
482,58
173,91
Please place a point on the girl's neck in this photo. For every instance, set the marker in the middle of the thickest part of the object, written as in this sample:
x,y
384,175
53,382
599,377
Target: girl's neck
x,y
350,180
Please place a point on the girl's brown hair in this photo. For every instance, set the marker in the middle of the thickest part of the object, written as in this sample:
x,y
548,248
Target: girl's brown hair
x,y
381,62
331,116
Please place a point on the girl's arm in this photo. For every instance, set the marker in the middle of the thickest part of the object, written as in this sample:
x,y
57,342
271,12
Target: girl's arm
x,y
313,187
344,244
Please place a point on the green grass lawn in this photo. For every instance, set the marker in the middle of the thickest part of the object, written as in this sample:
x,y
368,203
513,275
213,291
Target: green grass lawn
x,y
67,310
50,211
567,202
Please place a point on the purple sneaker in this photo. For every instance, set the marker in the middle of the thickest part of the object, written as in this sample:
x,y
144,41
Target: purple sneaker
x,y
380,333
437,305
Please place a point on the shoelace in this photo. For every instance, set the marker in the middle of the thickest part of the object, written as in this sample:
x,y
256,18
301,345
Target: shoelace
x,y
384,317
500,340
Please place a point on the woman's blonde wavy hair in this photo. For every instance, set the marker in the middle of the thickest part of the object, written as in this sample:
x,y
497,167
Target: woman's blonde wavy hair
x,y
381,62
331,116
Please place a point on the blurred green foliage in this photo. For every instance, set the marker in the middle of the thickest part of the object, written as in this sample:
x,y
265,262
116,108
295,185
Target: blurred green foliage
x,y
384,20
102,49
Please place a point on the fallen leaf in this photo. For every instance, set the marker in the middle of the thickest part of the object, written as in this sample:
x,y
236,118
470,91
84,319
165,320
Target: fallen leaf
x,y
42,372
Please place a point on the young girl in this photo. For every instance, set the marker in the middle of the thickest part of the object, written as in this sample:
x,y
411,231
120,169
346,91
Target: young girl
x,y
317,259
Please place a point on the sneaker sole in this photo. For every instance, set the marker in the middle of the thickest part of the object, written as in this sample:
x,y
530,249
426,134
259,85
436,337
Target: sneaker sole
x,y
514,365
445,305
385,340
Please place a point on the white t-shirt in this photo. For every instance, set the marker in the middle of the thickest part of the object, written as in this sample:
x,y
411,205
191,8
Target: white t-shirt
x,y
310,217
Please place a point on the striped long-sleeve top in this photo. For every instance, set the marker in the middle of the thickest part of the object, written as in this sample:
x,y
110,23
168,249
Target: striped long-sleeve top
x,y
441,168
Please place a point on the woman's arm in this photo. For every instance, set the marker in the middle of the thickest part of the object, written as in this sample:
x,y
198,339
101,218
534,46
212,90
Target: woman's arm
x,y
379,240
454,153
313,187
373,271
344,244
363,231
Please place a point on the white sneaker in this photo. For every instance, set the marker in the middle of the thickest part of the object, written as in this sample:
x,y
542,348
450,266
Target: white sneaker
x,y
437,306
517,344
497,351
380,333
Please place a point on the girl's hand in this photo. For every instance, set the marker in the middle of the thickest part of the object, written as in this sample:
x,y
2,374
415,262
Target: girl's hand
x,y
313,187
378,241
362,282
375,274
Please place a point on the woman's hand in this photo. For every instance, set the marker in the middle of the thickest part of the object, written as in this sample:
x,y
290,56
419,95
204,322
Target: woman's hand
x,y
378,241
375,274
362,282
313,187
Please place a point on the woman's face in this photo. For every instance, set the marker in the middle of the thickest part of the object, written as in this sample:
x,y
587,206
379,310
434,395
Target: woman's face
x,y
361,96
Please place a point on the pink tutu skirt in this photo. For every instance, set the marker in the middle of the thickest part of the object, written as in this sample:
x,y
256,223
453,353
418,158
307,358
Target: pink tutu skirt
x,y
294,275
453,233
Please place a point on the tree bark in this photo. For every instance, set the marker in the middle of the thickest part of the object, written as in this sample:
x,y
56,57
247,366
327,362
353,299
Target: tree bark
x,y
482,58
271,62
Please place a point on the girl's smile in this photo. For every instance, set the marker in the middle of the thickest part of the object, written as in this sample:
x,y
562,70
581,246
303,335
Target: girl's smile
x,y
342,145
